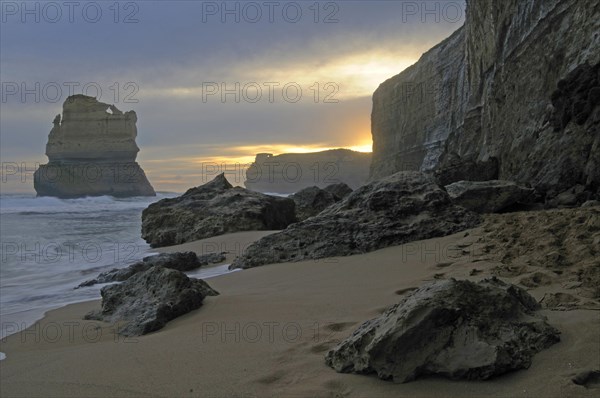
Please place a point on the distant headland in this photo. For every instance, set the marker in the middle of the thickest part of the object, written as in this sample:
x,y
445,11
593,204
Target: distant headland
x,y
291,172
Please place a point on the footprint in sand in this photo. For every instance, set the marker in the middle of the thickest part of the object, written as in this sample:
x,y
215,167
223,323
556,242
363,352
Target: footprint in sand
x,y
337,388
330,337
321,347
272,378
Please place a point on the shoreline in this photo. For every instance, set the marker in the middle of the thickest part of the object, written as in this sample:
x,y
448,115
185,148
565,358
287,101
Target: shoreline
x,y
241,240
267,332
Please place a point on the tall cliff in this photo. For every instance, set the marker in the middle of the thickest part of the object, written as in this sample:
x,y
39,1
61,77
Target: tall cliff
x,y
291,172
91,151
514,94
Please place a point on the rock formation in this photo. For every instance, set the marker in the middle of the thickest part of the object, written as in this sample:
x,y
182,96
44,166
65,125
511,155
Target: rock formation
x,y
91,151
339,190
311,201
180,261
457,329
512,95
488,196
404,207
291,172
148,300
213,209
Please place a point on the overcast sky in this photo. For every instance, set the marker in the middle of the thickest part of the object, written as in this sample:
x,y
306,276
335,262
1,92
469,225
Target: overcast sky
x,y
170,61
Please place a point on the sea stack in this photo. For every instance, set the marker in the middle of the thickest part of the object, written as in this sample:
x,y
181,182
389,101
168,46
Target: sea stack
x,y
91,151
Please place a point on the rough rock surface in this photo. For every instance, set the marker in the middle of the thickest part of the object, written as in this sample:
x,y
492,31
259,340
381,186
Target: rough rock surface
x,y
290,172
148,300
513,95
457,329
404,207
213,209
311,201
487,196
340,190
91,151
180,261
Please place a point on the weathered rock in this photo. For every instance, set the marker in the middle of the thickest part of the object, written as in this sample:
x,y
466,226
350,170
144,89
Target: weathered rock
x,y
513,95
180,261
92,152
311,201
340,190
591,203
290,172
572,197
404,207
457,329
148,300
213,209
487,196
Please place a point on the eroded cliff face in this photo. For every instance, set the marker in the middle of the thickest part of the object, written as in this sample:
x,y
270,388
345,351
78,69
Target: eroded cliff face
x,y
414,112
91,151
292,172
516,96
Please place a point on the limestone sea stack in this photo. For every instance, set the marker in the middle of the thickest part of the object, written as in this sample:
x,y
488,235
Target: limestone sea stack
x,y
91,151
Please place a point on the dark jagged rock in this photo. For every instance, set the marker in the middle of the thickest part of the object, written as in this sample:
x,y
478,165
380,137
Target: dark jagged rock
x,y
487,196
512,95
185,261
457,329
340,190
311,201
213,209
91,151
148,300
401,208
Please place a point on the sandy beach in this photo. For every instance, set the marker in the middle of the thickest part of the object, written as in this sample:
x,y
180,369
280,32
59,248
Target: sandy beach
x,y
267,332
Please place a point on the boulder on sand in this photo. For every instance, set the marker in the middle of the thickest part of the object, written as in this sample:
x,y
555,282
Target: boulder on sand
x,y
404,207
212,209
457,329
148,300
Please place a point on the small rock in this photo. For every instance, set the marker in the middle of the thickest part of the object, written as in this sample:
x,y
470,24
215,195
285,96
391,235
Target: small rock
x,y
591,203
487,196
181,261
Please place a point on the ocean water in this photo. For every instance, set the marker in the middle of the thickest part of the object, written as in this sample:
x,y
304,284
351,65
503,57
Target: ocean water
x,y
50,245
